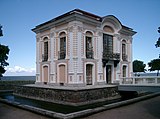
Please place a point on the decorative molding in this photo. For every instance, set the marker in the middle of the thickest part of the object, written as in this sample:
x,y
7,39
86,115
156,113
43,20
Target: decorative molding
x,y
80,29
37,39
51,34
100,33
70,29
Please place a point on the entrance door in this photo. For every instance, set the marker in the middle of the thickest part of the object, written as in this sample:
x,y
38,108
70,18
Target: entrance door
x,y
45,74
108,74
89,74
62,74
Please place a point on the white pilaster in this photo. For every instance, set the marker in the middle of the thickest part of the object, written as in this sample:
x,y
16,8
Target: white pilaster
x,y
79,38
52,67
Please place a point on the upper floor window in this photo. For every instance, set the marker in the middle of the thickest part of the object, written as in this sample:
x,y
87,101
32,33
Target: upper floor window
x,y
45,50
89,46
124,56
62,46
108,39
107,43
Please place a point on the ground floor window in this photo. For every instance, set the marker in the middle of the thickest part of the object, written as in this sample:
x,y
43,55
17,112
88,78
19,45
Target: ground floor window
x,y
62,74
89,74
124,71
45,74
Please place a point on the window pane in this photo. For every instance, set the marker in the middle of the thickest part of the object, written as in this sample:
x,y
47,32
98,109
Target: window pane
x,y
107,43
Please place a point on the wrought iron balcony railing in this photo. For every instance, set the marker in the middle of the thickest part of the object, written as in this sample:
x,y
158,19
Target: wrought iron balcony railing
x,y
44,57
111,56
61,54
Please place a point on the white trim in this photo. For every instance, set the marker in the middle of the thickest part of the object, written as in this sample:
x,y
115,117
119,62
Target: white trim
x,y
46,36
80,64
71,67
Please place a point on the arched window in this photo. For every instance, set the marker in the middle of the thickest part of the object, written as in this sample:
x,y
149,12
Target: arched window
x,y
124,56
89,46
108,40
62,46
45,50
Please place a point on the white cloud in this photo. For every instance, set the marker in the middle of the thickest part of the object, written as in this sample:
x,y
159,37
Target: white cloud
x,y
19,71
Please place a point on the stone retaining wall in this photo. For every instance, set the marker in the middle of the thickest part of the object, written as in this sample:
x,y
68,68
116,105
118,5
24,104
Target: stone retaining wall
x,y
68,96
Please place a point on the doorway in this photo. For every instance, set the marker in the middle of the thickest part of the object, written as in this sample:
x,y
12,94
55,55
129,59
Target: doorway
x,y
45,74
89,74
108,74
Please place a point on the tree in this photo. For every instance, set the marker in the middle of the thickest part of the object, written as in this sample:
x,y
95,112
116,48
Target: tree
x,y
1,34
138,66
4,51
158,41
154,65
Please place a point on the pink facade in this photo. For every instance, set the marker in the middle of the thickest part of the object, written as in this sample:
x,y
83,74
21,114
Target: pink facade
x,y
80,48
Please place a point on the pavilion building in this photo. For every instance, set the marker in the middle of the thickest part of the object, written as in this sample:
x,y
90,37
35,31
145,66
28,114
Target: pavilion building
x,y
80,48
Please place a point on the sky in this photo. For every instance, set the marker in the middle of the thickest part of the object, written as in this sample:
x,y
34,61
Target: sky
x,y
18,17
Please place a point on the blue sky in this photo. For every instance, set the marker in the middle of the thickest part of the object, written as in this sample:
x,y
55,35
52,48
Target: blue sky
x,y
18,17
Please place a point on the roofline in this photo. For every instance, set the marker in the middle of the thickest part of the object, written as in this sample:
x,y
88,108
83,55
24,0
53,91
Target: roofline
x,y
76,13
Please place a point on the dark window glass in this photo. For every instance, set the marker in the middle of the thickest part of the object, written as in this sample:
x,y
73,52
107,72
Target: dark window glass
x,y
62,52
45,55
89,48
108,43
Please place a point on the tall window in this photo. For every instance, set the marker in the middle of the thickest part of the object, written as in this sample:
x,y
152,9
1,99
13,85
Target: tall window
x,y
107,43
124,56
89,47
124,71
89,74
45,50
62,52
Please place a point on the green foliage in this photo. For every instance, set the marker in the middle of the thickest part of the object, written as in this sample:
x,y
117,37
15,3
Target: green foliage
x,y
1,34
154,65
4,51
138,66
158,41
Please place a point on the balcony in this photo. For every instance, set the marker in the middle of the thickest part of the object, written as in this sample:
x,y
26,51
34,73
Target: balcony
x,y
44,57
89,54
110,56
61,54
124,57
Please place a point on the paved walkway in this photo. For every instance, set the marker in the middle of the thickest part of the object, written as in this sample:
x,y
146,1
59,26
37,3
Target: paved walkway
x,y
147,109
